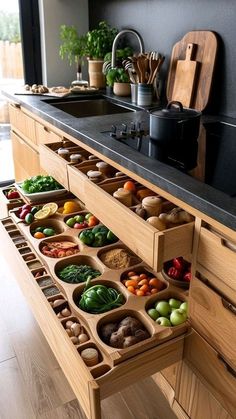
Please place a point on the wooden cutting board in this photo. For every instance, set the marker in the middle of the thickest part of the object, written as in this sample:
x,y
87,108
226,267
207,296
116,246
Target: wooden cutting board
x,y
185,76
206,50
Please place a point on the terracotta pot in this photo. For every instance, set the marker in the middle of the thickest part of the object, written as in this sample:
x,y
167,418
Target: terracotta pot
x,y
121,89
96,76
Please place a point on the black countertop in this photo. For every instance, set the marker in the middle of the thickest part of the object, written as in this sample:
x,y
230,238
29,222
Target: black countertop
x,y
90,130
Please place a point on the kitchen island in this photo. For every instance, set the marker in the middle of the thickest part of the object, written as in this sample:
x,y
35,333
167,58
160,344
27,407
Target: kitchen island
x,y
209,243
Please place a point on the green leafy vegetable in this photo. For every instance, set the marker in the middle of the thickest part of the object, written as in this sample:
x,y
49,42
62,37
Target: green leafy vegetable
x,y
74,274
99,298
40,183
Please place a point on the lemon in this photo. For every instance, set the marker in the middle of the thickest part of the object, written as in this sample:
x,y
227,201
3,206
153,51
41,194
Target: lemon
x,y
42,214
52,206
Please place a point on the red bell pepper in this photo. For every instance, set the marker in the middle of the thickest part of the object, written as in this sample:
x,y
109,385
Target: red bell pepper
x,y
174,273
178,263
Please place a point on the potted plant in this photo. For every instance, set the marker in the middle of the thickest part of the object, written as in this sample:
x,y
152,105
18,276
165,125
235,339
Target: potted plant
x,y
98,43
73,47
118,78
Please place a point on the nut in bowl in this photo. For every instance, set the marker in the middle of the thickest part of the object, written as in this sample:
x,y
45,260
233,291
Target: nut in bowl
x,y
177,272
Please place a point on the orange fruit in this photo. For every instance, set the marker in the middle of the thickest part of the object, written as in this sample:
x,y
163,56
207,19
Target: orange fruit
x,y
70,206
39,235
129,186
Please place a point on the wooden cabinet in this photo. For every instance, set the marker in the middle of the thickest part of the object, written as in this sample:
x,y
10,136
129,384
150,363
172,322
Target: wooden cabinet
x,y
26,158
195,399
193,387
209,366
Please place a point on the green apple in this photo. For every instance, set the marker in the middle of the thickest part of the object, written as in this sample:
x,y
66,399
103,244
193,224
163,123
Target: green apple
x,y
178,316
184,306
79,218
153,313
163,308
71,221
163,321
175,303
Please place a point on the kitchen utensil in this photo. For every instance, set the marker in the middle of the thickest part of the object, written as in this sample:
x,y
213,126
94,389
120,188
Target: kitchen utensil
x,y
185,77
142,63
155,65
207,45
173,134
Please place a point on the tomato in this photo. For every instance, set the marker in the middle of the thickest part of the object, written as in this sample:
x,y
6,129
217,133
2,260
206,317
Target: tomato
x,y
154,282
92,221
143,282
129,186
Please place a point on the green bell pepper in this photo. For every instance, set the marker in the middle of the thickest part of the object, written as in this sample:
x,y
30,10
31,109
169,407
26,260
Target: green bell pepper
x,y
87,237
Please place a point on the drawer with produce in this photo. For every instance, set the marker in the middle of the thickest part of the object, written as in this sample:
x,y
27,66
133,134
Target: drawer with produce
x,y
9,199
213,316
156,230
119,319
216,259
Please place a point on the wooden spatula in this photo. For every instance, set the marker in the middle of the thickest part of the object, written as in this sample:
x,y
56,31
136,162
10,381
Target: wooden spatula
x,y
185,77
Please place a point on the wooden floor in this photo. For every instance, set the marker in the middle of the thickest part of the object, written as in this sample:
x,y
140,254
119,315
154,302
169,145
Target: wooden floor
x,y
32,384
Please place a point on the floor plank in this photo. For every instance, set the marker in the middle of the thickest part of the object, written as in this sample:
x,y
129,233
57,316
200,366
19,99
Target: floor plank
x,y
14,400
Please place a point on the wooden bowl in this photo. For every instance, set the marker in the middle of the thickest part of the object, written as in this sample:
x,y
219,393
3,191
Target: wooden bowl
x,y
175,282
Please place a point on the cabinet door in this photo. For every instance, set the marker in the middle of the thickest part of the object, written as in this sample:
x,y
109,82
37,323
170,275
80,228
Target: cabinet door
x,y
22,122
196,400
26,159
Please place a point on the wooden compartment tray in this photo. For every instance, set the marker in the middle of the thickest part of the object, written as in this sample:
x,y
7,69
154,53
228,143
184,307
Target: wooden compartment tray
x,y
56,165
7,204
115,369
213,317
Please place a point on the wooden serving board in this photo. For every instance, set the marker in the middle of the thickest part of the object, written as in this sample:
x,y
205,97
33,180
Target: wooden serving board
x,y
185,76
206,50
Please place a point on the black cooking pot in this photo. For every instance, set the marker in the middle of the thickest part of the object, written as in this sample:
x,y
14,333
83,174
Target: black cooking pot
x,y
173,134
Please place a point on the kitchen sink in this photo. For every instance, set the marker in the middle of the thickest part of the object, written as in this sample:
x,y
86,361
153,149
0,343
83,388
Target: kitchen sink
x,y
93,106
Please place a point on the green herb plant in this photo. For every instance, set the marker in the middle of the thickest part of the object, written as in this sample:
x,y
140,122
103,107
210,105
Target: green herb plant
x,y
117,75
99,41
73,46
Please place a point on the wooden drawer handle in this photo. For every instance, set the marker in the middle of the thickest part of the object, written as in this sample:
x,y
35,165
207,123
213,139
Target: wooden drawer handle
x,y
228,305
227,366
228,244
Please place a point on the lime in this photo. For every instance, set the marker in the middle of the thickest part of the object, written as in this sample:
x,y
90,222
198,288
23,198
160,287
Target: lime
x,y
52,206
48,231
29,218
42,214
71,221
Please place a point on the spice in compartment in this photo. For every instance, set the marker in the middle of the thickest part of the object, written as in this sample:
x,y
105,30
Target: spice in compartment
x,y
118,258
90,356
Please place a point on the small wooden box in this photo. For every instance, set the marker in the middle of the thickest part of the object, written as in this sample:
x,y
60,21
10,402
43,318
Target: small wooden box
x,y
7,204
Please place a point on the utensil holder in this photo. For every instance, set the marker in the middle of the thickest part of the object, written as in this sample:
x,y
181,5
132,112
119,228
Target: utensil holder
x,y
144,94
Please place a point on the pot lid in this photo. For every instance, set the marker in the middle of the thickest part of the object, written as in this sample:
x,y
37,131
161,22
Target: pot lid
x,y
175,110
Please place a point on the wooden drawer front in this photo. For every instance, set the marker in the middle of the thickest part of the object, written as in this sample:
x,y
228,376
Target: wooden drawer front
x,y
77,183
26,159
211,318
195,398
129,227
54,165
176,241
22,122
44,135
217,256
219,378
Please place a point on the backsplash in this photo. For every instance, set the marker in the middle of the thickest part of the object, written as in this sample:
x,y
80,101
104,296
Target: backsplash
x,y
162,23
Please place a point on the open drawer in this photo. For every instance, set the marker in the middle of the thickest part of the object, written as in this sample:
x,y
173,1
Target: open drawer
x,y
217,255
214,317
55,164
7,204
153,246
219,377
90,384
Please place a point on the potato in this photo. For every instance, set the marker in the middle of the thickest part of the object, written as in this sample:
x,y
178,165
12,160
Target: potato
x,y
107,330
116,340
129,341
157,223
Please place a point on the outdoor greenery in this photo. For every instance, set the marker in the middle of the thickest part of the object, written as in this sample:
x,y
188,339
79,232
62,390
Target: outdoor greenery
x,y
9,27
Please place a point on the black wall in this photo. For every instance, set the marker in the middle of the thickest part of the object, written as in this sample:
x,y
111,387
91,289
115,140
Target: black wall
x,y
162,23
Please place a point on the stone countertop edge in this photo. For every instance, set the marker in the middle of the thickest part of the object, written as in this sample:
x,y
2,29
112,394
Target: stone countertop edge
x,y
198,195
